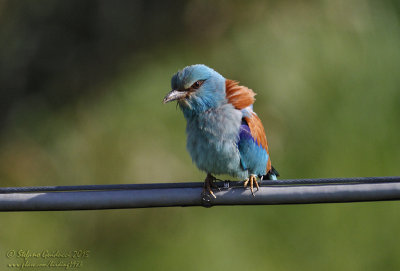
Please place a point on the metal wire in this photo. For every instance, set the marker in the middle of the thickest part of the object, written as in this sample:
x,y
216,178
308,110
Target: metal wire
x,y
296,191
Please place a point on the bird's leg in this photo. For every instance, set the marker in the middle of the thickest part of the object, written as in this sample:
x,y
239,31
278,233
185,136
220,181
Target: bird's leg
x,y
208,183
252,179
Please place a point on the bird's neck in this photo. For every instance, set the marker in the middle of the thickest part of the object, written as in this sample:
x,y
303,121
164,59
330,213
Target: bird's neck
x,y
194,109
191,113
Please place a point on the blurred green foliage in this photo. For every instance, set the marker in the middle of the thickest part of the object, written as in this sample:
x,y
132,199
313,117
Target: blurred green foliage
x,y
328,84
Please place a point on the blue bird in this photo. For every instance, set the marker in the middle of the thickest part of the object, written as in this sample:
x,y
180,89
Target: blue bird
x,y
224,134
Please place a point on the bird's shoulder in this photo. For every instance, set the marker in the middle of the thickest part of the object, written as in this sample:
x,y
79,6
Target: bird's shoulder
x,y
239,96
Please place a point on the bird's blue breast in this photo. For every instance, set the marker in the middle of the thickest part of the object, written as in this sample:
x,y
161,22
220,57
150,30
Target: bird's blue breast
x,y
212,138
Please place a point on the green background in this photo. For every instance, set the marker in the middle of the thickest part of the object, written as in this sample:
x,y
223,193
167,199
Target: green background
x,y
326,74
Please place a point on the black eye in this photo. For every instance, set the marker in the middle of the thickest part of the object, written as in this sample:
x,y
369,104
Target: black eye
x,y
197,84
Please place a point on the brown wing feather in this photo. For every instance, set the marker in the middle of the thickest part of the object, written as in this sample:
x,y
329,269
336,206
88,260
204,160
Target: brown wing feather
x,y
239,96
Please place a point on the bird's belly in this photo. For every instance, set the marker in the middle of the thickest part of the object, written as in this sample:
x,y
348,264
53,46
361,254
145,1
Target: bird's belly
x,y
214,154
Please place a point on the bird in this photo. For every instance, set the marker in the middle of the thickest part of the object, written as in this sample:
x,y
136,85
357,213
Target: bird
x,y
224,134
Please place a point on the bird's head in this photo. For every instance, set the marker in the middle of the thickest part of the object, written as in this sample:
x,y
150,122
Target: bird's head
x,y
197,88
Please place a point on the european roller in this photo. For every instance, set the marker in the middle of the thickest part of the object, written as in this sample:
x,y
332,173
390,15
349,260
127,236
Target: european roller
x,y
224,134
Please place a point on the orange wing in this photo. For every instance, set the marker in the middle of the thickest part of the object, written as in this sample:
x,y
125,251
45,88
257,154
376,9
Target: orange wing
x,y
239,96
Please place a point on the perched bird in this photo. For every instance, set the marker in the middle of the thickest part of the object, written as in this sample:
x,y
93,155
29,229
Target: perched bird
x,y
224,134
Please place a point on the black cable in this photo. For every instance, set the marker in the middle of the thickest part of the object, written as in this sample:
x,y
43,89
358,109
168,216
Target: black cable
x,y
220,183
173,197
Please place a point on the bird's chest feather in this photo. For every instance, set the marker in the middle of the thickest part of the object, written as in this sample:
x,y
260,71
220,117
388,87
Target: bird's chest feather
x,y
212,138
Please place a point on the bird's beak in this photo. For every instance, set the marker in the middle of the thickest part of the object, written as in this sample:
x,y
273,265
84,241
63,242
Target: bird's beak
x,y
174,95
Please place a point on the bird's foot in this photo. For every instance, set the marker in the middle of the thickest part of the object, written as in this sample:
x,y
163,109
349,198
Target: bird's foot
x,y
252,179
208,184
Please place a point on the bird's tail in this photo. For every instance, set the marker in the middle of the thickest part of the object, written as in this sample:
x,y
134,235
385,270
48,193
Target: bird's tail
x,y
272,174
